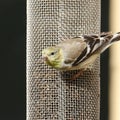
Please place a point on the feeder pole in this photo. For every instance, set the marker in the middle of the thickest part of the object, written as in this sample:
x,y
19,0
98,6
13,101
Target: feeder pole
x,y
50,93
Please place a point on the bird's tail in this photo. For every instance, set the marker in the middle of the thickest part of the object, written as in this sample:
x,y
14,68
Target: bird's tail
x,y
111,38
108,39
116,37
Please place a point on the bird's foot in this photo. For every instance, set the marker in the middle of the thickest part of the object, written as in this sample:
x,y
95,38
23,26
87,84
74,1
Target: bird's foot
x,y
80,73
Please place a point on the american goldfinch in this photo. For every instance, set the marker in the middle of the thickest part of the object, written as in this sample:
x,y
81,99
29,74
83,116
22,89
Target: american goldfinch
x,y
78,52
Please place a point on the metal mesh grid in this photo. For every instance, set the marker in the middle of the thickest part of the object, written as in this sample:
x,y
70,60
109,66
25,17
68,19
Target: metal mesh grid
x,y
50,95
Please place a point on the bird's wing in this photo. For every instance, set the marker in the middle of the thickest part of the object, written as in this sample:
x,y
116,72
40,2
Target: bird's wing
x,y
98,43
94,44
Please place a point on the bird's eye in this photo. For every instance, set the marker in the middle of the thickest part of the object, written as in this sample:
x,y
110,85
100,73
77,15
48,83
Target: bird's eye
x,y
52,53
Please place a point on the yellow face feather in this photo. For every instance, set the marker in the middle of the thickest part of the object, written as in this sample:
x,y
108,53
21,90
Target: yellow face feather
x,y
52,56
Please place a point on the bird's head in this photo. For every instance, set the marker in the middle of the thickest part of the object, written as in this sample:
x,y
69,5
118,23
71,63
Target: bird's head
x,y
52,56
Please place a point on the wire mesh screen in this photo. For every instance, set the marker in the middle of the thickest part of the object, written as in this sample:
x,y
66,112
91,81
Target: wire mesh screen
x,y
50,93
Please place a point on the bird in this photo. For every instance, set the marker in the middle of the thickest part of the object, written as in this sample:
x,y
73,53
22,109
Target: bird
x,y
78,53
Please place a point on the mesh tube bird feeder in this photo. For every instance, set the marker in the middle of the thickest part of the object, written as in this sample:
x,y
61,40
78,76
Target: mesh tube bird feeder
x,y
50,93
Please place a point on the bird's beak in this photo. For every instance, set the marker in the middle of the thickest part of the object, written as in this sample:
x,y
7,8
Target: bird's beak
x,y
44,58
